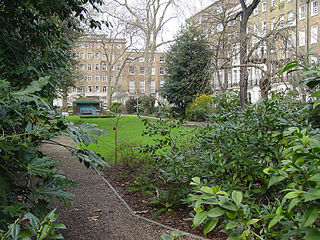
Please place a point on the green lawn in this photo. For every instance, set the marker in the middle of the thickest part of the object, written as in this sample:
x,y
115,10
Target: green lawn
x,y
129,130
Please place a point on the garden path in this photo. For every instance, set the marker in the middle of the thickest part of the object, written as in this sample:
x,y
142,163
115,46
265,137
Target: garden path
x,y
96,212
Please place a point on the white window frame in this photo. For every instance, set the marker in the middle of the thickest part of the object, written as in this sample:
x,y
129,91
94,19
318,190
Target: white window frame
x,y
161,71
264,6
161,59
142,86
104,88
141,71
153,71
131,70
314,8
97,56
302,38
89,88
314,34
97,89
104,67
152,86
104,78
97,67
89,78
81,55
132,86
89,55
302,13
97,78
89,67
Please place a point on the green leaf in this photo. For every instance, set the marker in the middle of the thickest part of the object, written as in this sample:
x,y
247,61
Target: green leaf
x,y
15,231
199,218
237,197
310,216
292,194
293,203
316,104
289,66
316,94
312,194
35,86
166,237
315,178
56,236
252,221
210,225
312,235
231,225
229,206
275,179
196,181
275,221
34,221
206,189
60,226
234,237
216,212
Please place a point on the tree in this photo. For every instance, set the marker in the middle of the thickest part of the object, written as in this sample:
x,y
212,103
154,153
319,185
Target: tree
x,y
149,17
187,66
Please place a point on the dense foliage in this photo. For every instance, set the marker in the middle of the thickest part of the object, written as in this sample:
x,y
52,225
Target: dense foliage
x,y
36,61
187,69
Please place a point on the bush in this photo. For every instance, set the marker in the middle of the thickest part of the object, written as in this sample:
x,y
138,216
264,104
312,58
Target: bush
x,y
147,104
116,107
98,116
131,105
199,108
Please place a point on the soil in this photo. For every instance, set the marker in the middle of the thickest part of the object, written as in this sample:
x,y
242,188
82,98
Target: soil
x,y
121,177
96,212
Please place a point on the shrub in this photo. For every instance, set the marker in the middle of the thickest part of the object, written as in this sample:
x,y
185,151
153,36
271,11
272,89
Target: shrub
x,y
147,104
116,107
199,108
131,105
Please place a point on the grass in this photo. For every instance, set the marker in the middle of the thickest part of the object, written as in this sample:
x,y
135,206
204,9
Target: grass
x,y
129,130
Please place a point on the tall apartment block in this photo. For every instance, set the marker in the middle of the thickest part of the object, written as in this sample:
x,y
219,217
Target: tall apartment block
x,y
278,31
108,66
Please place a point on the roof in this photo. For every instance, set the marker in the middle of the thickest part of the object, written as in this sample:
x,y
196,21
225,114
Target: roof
x,y
88,100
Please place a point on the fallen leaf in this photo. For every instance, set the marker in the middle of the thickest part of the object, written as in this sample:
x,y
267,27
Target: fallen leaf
x,y
144,201
98,210
94,218
139,212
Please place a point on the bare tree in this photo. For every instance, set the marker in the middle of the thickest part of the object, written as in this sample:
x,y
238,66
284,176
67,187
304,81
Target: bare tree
x,y
149,17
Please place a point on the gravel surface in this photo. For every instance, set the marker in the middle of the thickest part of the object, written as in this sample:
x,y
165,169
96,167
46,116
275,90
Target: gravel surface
x,y
96,212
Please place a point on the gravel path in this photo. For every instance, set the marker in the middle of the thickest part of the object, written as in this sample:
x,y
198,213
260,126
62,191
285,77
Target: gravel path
x,y
96,212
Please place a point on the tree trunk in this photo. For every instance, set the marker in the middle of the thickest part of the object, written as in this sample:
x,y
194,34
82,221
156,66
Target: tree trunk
x,y
243,54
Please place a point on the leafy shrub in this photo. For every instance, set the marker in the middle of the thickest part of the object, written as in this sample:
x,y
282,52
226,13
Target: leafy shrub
x,y
98,116
131,105
116,107
199,108
147,104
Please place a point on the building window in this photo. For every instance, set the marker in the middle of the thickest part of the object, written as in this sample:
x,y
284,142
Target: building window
x,y
141,71
97,78
219,27
119,79
273,3
142,86
302,38
161,59
219,9
97,56
89,67
289,1
89,56
290,40
264,26
82,45
302,12
200,20
97,67
264,6
89,89
131,86
290,16
97,89
161,71
256,11
131,70
141,59
161,83
104,67
112,78
82,67
104,88
314,34
281,19
118,67
112,68
104,78
81,55
255,28
112,57
153,87
153,71
89,78
314,8
104,56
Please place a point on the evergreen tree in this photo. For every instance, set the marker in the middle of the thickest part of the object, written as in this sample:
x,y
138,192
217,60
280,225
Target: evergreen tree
x,y
187,67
